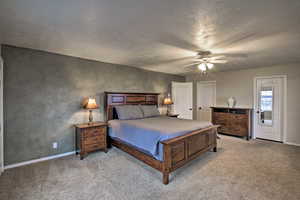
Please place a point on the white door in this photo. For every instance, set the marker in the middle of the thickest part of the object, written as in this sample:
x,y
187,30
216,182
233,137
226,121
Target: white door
x,y
1,118
206,97
182,95
269,108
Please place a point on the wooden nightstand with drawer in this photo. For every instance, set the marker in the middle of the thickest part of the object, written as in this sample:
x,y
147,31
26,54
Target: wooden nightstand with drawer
x,y
90,137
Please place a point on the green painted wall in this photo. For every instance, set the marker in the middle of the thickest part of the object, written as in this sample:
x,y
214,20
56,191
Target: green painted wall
x,y
43,92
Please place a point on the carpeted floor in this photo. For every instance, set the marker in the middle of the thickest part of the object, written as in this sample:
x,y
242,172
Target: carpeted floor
x,y
239,170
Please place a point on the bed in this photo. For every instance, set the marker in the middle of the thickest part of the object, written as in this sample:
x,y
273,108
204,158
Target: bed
x,y
162,142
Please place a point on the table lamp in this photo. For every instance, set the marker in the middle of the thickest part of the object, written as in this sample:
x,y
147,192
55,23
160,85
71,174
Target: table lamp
x,y
168,101
90,105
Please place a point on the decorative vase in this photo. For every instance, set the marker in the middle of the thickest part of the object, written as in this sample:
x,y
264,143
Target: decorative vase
x,y
231,102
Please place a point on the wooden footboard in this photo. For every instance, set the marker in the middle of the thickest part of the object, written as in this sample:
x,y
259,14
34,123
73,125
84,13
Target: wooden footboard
x,y
180,150
177,151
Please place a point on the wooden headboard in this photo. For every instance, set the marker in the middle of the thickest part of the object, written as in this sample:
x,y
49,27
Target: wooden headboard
x,y
114,98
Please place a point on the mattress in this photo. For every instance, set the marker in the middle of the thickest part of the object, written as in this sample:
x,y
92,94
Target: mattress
x,y
146,134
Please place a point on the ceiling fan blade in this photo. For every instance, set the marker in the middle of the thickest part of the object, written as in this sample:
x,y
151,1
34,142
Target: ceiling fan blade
x,y
219,61
190,69
213,57
171,60
196,63
208,59
173,40
201,59
230,55
186,59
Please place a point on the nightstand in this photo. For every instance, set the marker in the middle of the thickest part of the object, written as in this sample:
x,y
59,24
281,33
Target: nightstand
x,y
173,115
90,137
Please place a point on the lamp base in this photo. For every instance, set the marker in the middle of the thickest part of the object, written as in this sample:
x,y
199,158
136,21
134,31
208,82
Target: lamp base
x,y
90,117
168,110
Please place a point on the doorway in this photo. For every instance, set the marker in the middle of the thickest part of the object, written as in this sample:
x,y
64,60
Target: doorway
x,y
206,98
1,118
182,95
270,99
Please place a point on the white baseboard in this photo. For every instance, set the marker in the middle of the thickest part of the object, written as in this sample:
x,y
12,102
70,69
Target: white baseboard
x,y
290,143
38,160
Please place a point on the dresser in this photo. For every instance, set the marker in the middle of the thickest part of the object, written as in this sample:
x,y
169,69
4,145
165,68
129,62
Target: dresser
x,y
90,137
233,121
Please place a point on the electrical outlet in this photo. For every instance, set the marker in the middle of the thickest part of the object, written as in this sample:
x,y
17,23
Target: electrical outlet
x,y
54,145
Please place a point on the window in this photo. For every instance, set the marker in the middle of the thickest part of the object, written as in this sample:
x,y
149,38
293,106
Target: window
x,y
266,100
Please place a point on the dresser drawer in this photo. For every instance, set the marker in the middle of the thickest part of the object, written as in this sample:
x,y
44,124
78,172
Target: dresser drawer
x,y
94,139
224,129
240,131
240,117
93,147
94,131
220,116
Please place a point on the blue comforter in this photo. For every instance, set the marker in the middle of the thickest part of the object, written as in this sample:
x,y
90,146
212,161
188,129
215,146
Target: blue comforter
x,y
146,134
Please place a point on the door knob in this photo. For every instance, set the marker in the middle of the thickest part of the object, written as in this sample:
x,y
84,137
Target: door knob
x,y
190,108
200,108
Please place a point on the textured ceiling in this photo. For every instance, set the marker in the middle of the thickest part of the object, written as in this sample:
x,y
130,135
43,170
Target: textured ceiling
x,y
159,35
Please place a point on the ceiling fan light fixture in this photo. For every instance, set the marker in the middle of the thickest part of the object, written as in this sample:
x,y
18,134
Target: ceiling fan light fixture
x,y
202,67
209,65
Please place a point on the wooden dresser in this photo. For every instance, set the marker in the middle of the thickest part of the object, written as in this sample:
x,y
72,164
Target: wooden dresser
x,y
90,137
233,121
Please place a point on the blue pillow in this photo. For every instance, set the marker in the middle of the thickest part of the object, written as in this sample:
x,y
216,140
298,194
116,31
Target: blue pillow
x,y
150,110
126,112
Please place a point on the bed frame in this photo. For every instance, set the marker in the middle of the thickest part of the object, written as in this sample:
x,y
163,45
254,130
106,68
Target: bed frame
x,y
177,151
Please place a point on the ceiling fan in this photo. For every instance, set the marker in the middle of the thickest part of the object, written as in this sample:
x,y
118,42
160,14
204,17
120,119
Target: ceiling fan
x,y
205,60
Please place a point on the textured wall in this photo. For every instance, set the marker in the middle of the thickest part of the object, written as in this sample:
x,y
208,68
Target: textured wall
x,y
239,84
42,95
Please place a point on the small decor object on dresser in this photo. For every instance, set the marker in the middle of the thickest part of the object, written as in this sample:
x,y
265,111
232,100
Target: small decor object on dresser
x,y
231,102
90,137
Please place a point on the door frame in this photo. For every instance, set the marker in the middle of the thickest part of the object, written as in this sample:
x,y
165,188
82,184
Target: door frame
x,y
197,94
284,124
172,93
1,117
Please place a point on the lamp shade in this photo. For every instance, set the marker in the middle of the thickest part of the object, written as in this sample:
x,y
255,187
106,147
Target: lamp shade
x,y
91,104
168,101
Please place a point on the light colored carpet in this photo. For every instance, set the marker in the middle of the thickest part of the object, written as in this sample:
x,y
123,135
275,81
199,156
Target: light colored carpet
x,y
239,170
